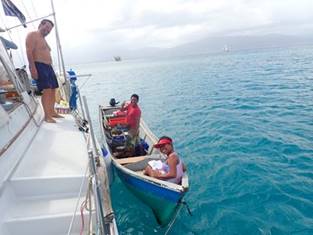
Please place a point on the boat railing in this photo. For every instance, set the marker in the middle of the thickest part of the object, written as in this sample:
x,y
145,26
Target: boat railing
x,y
104,212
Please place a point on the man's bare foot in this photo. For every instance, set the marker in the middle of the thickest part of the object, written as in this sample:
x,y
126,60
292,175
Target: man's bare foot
x,y
50,120
56,115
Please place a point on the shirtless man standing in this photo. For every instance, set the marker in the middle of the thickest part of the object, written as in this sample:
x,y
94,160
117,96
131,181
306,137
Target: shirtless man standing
x,y
40,66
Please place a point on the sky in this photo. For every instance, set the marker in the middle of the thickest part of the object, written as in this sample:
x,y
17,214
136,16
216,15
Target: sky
x,y
104,28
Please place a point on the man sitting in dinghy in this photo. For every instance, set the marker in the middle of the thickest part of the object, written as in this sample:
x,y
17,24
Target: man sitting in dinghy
x,y
172,169
132,112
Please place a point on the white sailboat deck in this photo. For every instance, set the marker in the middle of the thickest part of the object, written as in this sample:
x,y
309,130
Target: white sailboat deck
x,y
43,191
58,150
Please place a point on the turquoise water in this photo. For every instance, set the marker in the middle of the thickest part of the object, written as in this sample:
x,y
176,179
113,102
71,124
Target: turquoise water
x,y
242,123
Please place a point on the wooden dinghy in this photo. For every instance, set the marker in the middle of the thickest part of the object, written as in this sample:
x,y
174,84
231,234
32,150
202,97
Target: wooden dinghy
x,y
163,197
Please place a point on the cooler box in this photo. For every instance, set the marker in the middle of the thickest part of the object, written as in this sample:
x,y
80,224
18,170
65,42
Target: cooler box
x,y
117,120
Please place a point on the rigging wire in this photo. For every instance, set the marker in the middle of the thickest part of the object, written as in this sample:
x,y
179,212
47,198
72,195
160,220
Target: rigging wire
x,y
2,19
9,33
20,53
34,9
27,12
20,57
85,82
86,205
82,207
33,26
77,203
80,193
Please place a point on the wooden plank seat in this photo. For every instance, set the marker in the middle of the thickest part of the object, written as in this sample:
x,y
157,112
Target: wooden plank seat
x,y
128,160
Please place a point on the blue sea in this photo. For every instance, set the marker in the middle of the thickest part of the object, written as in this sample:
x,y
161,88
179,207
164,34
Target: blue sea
x,y
243,124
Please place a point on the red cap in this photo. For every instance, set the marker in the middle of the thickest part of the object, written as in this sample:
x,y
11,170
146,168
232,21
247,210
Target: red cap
x,y
162,142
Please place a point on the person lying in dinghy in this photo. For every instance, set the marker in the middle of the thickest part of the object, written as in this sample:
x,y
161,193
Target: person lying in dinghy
x,y
172,169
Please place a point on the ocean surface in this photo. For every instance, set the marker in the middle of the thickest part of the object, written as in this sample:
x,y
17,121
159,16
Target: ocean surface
x,y
243,124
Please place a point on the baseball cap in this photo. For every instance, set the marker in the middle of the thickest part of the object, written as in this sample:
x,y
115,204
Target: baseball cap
x,y
162,142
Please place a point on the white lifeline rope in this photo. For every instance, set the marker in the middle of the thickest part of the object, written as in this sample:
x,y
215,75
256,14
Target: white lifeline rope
x,y
172,222
79,195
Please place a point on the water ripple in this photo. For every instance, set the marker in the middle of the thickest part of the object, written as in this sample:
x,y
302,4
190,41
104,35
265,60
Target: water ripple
x,y
242,122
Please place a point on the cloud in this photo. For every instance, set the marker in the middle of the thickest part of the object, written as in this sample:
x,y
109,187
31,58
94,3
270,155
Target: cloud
x,y
106,25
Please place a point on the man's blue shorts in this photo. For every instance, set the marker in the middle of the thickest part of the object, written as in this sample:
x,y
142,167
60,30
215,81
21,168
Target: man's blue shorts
x,y
46,77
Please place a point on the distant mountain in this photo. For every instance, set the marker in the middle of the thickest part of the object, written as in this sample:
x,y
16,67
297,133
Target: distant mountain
x,y
238,43
218,44
204,46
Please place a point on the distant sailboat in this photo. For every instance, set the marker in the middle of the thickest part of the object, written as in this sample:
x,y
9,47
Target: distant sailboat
x,y
117,58
226,48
